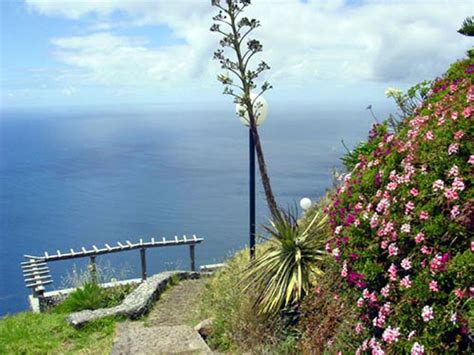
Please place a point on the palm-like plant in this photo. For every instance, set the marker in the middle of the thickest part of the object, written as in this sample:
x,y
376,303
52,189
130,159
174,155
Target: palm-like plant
x,y
286,268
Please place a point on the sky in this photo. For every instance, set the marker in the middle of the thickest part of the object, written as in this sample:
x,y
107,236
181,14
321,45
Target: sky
x,y
137,53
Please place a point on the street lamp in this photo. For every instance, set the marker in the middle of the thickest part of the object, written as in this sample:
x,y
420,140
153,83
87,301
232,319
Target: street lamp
x,y
305,204
260,109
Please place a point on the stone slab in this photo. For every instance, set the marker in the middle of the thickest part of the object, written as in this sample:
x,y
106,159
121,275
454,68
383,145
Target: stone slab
x,y
135,338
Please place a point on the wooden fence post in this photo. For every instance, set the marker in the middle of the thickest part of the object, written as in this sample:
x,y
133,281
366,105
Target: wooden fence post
x,y
192,255
143,260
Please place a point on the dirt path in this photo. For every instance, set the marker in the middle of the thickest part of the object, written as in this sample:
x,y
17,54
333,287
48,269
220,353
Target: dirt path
x,y
178,305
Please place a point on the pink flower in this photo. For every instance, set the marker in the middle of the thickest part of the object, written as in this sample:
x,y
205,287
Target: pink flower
x,y
391,186
417,349
386,309
424,215
425,250
454,171
379,321
458,184
406,282
391,335
406,264
406,228
374,220
409,206
429,136
359,328
470,94
414,192
455,212
392,270
459,293
392,249
427,313
344,269
434,286
360,302
471,159
451,194
453,148
458,135
383,244
419,238
438,263
467,112
411,334
385,291
454,116
438,185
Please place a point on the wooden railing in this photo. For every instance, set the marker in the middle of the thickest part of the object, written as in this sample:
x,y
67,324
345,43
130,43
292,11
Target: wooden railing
x,y
36,272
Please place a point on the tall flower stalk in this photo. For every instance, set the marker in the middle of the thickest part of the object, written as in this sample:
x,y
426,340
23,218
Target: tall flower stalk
x,y
235,30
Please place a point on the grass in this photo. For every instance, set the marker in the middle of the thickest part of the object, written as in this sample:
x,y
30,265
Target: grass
x,y
48,333
237,328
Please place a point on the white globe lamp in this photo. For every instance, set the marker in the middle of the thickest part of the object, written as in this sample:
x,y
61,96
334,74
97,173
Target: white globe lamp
x,y
260,109
305,204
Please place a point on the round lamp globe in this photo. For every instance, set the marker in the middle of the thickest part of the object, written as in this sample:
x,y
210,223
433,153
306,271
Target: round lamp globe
x,y
305,203
260,109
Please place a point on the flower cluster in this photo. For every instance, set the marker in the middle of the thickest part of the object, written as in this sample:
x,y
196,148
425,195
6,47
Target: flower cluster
x,y
402,221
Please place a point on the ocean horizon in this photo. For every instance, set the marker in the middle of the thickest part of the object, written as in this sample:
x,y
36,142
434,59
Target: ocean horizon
x,y
69,180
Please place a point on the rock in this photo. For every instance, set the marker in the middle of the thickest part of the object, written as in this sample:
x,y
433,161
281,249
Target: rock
x,y
134,338
204,328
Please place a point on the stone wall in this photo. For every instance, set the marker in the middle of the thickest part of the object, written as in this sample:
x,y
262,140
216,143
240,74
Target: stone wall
x,y
137,303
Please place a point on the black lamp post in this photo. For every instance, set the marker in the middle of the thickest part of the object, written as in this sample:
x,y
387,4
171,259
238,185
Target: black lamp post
x,y
252,194
261,111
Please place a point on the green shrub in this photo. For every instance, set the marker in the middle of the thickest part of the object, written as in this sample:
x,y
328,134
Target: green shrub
x,y
402,224
237,327
282,274
92,296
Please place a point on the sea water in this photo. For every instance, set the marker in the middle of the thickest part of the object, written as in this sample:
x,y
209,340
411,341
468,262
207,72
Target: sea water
x,y
69,180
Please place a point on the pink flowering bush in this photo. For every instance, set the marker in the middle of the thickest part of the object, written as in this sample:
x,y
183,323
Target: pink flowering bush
x,y
403,221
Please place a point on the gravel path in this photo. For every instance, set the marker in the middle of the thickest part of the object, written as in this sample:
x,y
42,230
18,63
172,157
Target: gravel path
x,y
168,328
178,305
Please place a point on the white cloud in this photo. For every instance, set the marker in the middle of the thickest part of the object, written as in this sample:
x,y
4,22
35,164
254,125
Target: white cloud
x,y
69,91
329,41
109,59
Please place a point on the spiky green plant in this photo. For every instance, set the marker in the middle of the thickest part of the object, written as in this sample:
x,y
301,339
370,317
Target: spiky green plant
x,y
467,28
285,271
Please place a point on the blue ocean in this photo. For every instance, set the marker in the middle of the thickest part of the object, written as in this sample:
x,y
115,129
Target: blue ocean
x,y
69,180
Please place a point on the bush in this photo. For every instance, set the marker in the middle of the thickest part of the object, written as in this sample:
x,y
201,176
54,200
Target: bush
x,y
402,223
92,296
237,327
282,273
326,316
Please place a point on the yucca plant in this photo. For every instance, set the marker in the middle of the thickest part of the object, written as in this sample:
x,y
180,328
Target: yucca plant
x,y
287,267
